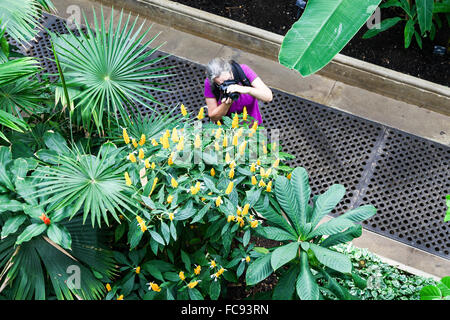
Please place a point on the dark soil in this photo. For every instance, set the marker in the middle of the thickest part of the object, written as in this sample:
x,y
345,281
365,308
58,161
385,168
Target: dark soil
x,y
386,49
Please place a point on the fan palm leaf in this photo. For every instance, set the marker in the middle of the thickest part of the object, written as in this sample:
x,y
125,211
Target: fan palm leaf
x,y
112,66
94,183
26,268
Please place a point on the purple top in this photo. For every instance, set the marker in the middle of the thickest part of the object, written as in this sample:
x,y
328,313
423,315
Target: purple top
x,y
244,99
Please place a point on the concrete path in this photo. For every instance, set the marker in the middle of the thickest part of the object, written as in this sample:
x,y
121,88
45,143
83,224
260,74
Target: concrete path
x,y
403,116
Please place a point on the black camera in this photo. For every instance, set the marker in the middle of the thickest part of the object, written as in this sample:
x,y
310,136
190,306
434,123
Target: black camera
x,y
223,89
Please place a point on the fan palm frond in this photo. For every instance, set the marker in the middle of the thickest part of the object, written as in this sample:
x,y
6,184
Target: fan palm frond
x,y
94,183
26,268
113,67
20,18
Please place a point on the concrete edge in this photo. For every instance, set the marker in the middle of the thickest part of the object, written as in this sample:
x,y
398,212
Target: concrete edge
x,y
346,69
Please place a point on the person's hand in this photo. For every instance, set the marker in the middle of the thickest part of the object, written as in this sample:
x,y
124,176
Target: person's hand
x,y
238,88
227,101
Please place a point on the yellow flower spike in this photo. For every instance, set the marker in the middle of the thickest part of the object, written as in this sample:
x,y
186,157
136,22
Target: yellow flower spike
x,y
229,188
254,181
154,287
141,223
142,141
240,221
108,287
183,110
225,141
170,160
216,146
235,140
245,209
238,212
258,162
154,143
213,172
175,137
230,218
227,158
262,172
247,259
147,163
276,163
197,270
231,173
126,138
269,186
219,273
155,181
197,142
120,297
253,167
127,179
289,176
242,148
210,193
213,264
254,223
218,201
170,198
192,284
244,114
235,122
201,113
268,172
255,125
203,198
165,142
181,275
141,154
197,186
153,165
132,157
180,145
232,164
219,123
138,269
174,182
262,183
264,148
171,216
218,133
134,142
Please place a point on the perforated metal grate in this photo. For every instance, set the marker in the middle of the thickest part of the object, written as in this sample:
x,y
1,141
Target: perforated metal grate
x,y
404,176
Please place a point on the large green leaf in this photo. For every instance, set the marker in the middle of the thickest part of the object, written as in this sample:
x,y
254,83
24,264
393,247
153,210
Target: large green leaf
x,y
277,234
326,202
425,14
306,286
11,225
343,237
30,232
331,227
302,191
284,254
286,285
260,269
324,28
332,259
284,192
430,293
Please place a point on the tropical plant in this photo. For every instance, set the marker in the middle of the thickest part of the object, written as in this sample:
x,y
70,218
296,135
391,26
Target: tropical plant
x,y
21,18
421,13
38,248
324,28
441,291
310,256
108,70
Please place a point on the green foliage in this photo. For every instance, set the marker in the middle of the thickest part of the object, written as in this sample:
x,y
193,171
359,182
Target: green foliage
x,y
447,213
324,28
441,291
108,70
421,18
38,243
290,218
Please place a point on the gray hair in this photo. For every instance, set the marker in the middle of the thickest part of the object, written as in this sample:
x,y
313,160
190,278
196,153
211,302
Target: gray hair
x,y
215,67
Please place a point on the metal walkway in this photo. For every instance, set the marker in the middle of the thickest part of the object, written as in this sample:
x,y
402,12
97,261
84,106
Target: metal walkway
x,y
404,176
